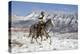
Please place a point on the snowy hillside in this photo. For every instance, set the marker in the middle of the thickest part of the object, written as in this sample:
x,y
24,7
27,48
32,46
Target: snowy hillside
x,y
21,43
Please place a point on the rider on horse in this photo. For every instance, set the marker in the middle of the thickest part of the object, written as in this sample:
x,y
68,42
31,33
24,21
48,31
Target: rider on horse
x,y
41,22
39,29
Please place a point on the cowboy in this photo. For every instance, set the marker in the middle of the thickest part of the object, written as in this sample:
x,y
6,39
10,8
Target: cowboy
x,y
41,23
41,18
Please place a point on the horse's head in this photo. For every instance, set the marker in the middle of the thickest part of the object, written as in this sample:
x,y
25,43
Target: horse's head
x,y
49,25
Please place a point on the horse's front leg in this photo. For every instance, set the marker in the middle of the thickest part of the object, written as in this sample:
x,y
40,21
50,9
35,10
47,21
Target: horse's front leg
x,y
37,36
49,38
37,41
46,34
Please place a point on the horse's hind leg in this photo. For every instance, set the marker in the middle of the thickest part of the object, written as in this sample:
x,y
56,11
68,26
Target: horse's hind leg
x,y
37,36
32,39
30,33
41,37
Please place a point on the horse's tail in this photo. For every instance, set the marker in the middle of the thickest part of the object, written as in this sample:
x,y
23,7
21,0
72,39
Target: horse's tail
x,y
30,31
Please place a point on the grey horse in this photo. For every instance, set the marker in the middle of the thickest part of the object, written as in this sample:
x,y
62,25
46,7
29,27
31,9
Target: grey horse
x,y
38,30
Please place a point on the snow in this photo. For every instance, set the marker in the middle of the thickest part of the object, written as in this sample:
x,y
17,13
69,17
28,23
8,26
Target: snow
x,y
21,43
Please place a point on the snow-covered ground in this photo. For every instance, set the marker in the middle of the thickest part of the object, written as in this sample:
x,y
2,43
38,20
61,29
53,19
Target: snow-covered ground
x,y
59,41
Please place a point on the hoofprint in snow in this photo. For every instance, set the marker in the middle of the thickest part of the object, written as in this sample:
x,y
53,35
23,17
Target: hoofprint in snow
x,y
59,41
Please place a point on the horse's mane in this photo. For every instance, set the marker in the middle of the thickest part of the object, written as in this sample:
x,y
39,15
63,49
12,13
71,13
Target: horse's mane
x,y
48,22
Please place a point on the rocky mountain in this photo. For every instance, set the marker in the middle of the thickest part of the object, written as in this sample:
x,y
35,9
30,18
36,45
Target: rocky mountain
x,y
62,21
